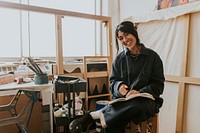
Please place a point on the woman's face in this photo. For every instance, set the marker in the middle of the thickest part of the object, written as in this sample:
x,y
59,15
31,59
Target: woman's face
x,y
127,40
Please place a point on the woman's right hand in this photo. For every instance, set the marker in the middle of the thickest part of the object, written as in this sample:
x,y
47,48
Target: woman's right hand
x,y
123,89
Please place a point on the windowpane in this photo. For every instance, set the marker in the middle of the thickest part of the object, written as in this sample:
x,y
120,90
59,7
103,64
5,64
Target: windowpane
x,y
78,36
83,6
42,35
14,1
9,33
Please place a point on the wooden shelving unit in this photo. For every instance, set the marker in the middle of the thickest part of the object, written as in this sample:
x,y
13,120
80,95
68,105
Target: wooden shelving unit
x,y
96,72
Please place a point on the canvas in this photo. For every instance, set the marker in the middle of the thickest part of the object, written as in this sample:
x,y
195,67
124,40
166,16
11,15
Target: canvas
x,y
162,4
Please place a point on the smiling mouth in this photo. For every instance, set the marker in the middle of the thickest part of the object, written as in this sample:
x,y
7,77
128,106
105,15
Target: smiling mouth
x,y
129,42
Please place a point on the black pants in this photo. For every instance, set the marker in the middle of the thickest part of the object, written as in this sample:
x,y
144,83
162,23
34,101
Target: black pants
x,y
118,115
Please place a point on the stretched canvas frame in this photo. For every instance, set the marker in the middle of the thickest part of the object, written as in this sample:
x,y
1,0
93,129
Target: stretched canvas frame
x,y
162,4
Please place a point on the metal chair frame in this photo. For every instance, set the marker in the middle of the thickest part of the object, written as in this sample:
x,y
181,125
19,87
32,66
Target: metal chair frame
x,y
22,119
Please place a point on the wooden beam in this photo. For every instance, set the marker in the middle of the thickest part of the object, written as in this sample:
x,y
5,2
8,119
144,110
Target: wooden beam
x,y
187,80
52,11
59,50
59,55
186,47
110,44
184,73
180,108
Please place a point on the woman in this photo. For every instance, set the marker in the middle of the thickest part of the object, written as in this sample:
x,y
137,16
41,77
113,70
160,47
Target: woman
x,y
135,70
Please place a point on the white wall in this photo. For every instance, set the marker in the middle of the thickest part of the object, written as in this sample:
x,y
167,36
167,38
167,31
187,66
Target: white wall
x,y
136,7
128,8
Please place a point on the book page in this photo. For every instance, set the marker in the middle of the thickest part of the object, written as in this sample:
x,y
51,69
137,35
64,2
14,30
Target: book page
x,y
146,95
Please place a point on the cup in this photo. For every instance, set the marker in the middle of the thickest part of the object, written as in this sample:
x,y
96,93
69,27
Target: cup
x,y
41,79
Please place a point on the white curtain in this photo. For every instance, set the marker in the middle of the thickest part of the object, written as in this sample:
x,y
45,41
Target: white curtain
x,y
167,38
174,34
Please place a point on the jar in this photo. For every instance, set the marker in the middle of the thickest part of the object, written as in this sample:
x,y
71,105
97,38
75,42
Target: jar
x,y
41,79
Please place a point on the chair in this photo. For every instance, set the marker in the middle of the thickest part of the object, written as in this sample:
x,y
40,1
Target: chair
x,y
22,119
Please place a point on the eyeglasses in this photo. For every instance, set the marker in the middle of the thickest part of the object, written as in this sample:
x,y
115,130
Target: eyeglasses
x,y
123,36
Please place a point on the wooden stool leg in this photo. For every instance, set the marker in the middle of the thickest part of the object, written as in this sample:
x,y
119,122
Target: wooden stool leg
x,y
152,123
144,127
155,124
133,127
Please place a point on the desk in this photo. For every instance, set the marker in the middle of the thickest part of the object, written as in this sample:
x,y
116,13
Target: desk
x,y
45,92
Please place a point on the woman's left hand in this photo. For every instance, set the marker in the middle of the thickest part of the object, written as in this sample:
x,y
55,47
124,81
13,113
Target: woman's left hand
x,y
131,92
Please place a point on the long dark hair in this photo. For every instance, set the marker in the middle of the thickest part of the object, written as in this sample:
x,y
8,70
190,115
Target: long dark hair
x,y
126,27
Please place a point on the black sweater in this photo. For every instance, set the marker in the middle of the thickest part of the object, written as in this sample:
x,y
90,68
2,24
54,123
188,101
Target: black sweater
x,y
143,73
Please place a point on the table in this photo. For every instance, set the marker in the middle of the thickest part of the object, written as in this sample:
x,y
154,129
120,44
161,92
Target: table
x,y
34,92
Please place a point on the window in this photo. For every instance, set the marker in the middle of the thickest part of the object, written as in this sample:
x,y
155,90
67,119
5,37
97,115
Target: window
x,y
33,34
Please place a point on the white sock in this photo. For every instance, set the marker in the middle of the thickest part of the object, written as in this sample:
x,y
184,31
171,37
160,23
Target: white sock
x,y
95,114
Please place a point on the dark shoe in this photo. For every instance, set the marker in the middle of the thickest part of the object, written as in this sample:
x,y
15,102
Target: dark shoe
x,y
78,125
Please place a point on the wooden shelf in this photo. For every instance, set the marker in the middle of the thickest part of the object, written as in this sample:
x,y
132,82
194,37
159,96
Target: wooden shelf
x,y
96,96
97,74
75,74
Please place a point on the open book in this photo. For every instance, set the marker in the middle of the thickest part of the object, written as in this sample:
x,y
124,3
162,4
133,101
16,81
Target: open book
x,y
147,95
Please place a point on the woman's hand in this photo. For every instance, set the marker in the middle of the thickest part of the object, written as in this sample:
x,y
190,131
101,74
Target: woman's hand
x,y
131,92
123,89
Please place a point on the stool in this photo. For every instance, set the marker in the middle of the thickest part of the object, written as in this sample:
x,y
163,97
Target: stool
x,y
148,126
